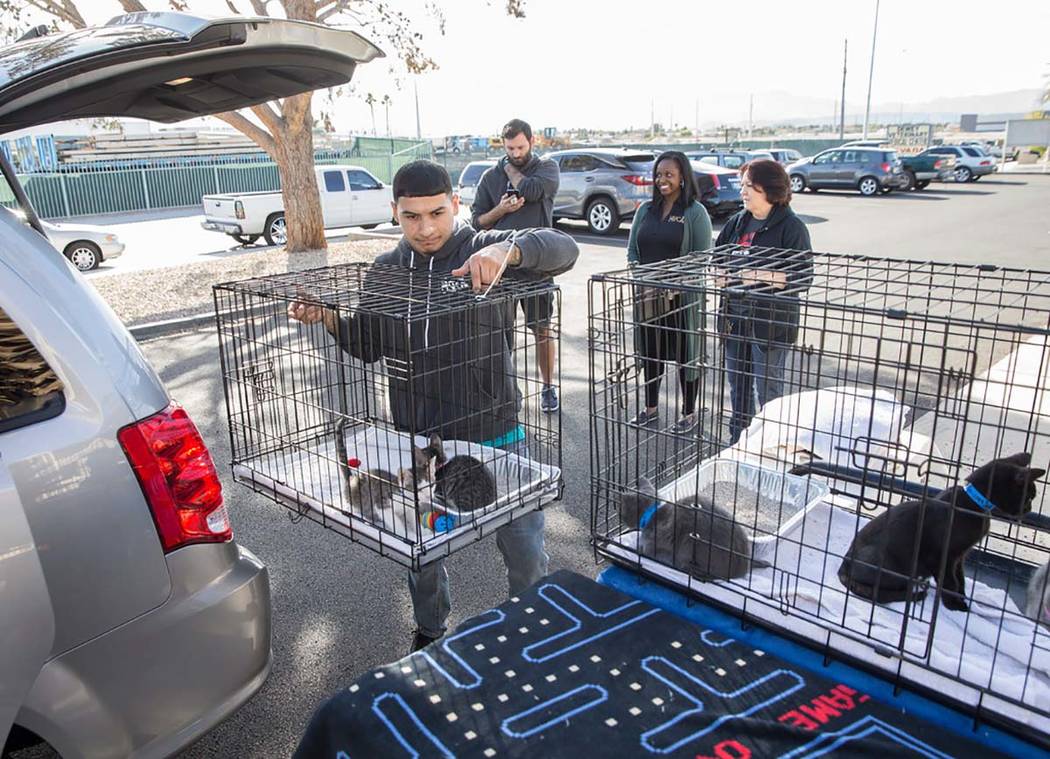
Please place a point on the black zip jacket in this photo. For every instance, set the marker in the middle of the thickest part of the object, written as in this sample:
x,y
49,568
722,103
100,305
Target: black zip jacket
x,y
783,244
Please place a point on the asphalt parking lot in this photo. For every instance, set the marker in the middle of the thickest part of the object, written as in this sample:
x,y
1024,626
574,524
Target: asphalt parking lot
x,y
339,610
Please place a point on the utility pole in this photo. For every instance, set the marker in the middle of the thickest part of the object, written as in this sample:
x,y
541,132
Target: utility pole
x,y
652,118
871,70
415,90
842,102
751,116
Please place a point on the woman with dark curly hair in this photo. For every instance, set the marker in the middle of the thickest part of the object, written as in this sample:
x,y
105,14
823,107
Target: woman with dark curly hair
x,y
668,327
765,274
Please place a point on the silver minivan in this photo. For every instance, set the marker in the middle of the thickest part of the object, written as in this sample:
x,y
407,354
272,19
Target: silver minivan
x,y
131,621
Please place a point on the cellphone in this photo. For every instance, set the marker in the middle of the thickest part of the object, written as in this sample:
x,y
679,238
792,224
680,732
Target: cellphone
x,y
514,192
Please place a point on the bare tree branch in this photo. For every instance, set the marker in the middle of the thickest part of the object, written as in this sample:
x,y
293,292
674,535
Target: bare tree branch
x,y
328,8
232,7
132,6
269,117
63,10
246,127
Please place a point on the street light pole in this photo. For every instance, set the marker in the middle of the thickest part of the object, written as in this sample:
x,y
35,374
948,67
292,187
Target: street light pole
x,y
871,70
415,91
842,115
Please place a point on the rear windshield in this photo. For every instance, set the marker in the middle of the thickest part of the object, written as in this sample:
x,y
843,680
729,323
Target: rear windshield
x,y
973,152
24,59
639,162
889,156
29,390
471,175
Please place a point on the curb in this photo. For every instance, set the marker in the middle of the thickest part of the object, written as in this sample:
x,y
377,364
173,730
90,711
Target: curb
x,y
150,330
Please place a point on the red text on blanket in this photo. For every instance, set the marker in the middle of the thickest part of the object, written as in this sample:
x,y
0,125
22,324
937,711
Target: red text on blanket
x,y
822,709
729,750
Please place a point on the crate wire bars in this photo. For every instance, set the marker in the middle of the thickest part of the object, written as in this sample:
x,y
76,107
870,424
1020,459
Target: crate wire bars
x,y
324,418
905,377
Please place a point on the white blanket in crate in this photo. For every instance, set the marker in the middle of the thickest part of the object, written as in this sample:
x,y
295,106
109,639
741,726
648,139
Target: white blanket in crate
x,y
310,476
1004,652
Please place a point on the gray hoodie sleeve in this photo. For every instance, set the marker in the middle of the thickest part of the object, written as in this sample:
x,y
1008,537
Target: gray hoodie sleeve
x,y
543,182
544,252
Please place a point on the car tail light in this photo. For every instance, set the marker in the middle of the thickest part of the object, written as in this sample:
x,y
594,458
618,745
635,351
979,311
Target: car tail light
x,y
986,163
886,167
638,180
238,209
715,182
178,478
938,163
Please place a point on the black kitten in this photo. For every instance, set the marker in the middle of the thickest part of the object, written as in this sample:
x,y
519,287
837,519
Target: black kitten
x,y
462,482
878,564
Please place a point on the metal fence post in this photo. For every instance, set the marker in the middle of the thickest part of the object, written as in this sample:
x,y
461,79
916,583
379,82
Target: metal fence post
x,y
65,193
145,189
215,173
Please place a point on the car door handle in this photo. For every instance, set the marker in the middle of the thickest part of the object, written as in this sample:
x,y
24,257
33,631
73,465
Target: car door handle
x,y
588,179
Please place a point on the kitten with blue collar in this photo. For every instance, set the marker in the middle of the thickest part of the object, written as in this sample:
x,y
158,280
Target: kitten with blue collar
x,y
884,562
692,535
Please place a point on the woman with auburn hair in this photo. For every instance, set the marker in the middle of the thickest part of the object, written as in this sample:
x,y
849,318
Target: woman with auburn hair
x,y
668,326
771,265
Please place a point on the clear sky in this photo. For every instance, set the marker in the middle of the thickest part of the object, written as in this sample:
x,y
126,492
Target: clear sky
x,y
574,63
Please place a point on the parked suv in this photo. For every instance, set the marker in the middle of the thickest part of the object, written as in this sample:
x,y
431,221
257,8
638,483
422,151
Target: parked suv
x,y
785,156
602,186
469,178
729,159
971,162
131,620
867,170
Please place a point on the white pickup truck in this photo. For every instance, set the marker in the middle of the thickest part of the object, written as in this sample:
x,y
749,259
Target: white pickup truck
x,y
350,197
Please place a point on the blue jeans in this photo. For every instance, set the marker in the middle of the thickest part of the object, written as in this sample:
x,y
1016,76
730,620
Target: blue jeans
x,y
520,542
755,371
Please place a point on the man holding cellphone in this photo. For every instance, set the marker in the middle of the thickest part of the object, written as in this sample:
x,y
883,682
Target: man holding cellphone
x,y
518,193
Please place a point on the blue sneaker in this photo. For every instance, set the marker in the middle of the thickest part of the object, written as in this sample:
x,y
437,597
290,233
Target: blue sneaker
x,y
549,399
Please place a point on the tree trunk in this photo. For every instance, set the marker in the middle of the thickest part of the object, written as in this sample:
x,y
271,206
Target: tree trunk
x,y
294,149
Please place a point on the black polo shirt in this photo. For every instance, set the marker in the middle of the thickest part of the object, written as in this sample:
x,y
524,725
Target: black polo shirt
x,y
661,238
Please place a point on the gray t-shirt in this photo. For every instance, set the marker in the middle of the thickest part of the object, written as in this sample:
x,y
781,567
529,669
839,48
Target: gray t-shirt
x,y
538,188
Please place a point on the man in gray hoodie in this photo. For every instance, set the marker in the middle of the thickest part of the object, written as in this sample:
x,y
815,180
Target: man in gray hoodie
x,y
518,193
474,397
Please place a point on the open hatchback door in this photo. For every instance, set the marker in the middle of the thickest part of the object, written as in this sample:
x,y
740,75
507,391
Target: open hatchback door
x,y
171,66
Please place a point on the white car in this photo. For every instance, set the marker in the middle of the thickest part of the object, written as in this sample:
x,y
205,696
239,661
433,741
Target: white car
x,y
350,197
467,187
971,162
86,246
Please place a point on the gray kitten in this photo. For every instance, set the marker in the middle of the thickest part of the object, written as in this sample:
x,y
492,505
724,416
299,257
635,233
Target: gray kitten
x,y
692,535
1038,600
370,494
462,482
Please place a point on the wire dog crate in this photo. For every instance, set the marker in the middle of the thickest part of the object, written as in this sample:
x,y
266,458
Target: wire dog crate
x,y
899,379
334,419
